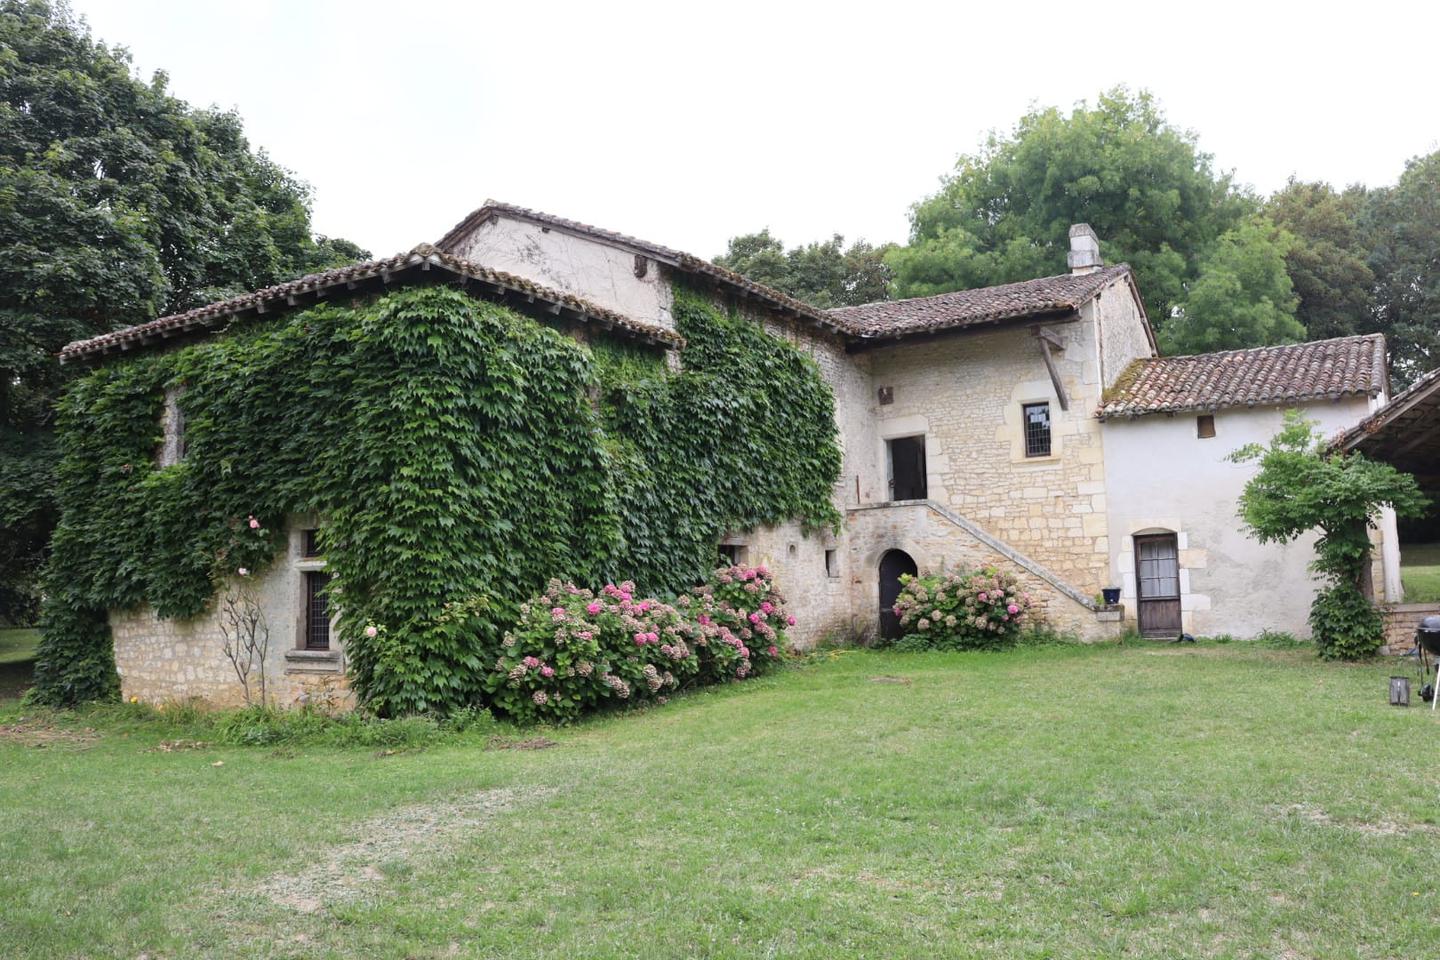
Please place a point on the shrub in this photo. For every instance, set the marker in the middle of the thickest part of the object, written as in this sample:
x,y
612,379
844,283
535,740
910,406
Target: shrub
x,y
575,650
980,610
1346,625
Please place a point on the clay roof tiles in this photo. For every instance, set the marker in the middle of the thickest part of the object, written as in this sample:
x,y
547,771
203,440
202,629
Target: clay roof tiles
x,y
421,259
1260,376
964,308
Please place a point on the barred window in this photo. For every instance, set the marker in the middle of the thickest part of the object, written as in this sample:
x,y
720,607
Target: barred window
x,y
317,611
1037,429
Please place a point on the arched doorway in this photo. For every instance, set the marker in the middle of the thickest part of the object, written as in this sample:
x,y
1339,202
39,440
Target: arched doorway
x,y
893,565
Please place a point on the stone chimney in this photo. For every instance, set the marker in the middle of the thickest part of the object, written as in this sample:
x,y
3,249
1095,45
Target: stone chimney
x,y
1084,249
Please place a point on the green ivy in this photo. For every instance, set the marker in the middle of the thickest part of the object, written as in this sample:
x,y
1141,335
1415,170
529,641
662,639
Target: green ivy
x,y
460,455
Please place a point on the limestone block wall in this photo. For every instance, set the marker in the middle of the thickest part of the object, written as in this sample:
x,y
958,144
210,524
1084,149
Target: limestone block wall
x,y
1401,619
1123,334
167,660
965,394
937,546
604,274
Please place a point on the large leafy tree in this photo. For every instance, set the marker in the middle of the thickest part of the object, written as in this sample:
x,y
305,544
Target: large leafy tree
x,y
1243,297
825,273
118,203
1326,259
1403,224
1144,185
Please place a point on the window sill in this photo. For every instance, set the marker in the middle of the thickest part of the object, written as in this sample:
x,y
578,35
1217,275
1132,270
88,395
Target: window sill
x,y
313,661
1052,460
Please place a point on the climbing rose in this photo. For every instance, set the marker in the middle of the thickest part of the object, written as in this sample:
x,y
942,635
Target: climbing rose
x,y
371,631
790,621
244,572
254,524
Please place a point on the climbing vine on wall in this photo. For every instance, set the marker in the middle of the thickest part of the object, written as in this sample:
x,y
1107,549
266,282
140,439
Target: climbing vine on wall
x,y
459,460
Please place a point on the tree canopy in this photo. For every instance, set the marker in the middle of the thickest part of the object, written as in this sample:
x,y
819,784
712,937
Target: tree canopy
x,y
118,203
825,274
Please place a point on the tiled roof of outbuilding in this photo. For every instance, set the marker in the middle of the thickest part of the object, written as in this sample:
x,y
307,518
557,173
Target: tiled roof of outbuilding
x,y
421,259
965,308
1260,376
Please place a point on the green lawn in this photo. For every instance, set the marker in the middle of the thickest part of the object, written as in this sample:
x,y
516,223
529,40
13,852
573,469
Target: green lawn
x,y
1140,801
17,655
1420,572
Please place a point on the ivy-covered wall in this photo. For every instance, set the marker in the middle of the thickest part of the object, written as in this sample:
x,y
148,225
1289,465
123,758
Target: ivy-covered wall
x,y
461,455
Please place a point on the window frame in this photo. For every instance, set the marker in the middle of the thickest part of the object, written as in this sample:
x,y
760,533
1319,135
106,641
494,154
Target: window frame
x,y
1025,435
1202,421
314,584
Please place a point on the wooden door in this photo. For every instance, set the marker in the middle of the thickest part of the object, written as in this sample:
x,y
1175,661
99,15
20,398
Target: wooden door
x,y
1157,581
907,468
892,565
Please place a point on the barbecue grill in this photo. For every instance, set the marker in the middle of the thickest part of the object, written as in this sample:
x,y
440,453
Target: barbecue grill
x,y
1427,641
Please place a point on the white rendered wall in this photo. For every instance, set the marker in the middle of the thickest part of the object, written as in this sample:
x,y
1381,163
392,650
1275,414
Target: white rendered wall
x,y
1162,477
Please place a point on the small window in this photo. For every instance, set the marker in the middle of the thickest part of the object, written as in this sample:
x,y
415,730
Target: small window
x,y
832,563
317,611
1037,429
1205,426
733,554
311,545
172,448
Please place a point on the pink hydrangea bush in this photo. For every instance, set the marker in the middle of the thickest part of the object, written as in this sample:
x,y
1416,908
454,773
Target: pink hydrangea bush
x,y
575,650
982,609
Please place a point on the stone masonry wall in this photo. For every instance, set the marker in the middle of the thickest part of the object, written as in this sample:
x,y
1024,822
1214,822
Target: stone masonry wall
x,y
171,660
937,545
965,395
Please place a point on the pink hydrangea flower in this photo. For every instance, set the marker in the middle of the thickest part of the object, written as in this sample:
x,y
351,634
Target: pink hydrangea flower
x,y
773,650
984,596
767,607
1012,609
754,618
547,671
641,639
594,607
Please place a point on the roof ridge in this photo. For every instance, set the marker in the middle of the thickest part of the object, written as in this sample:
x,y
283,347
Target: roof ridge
x,y
1268,346
422,255
1113,267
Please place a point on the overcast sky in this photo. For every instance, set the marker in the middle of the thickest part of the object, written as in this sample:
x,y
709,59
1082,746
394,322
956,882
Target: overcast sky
x,y
685,124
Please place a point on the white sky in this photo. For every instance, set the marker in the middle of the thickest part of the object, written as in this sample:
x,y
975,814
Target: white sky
x,y
685,124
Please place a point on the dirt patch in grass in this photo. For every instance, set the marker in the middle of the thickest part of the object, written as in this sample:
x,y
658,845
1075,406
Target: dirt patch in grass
x,y
528,743
175,746
392,842
34,732
1384,827
903,680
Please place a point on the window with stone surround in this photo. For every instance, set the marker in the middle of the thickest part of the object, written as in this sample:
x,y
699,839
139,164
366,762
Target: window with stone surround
x,y
1036,417
733,554
317,610
832,563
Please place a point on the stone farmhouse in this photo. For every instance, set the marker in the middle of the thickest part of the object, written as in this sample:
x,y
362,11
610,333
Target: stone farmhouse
x,y
1032,426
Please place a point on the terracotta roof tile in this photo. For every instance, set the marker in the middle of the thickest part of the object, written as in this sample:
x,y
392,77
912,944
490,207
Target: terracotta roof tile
x,y
1260,376
423,258
964,308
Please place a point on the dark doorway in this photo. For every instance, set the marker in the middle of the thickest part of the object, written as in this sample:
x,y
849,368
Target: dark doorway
x,y
893,565
907,468
1157,581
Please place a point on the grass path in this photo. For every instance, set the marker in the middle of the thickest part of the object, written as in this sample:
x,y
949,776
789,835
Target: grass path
x,y
1420,572
1218,801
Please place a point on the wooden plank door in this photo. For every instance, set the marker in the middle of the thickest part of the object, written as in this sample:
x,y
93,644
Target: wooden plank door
x,y
1157,581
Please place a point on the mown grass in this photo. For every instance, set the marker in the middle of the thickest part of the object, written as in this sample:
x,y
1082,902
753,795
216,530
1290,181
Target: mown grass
x,y
17,659
1420,572
1141,801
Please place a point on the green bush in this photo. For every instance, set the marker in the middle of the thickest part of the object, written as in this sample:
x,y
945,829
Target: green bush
x,y
1346,624
576,650
980,610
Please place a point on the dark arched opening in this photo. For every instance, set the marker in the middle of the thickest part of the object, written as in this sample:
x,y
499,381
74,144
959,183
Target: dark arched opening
x,y
893,565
